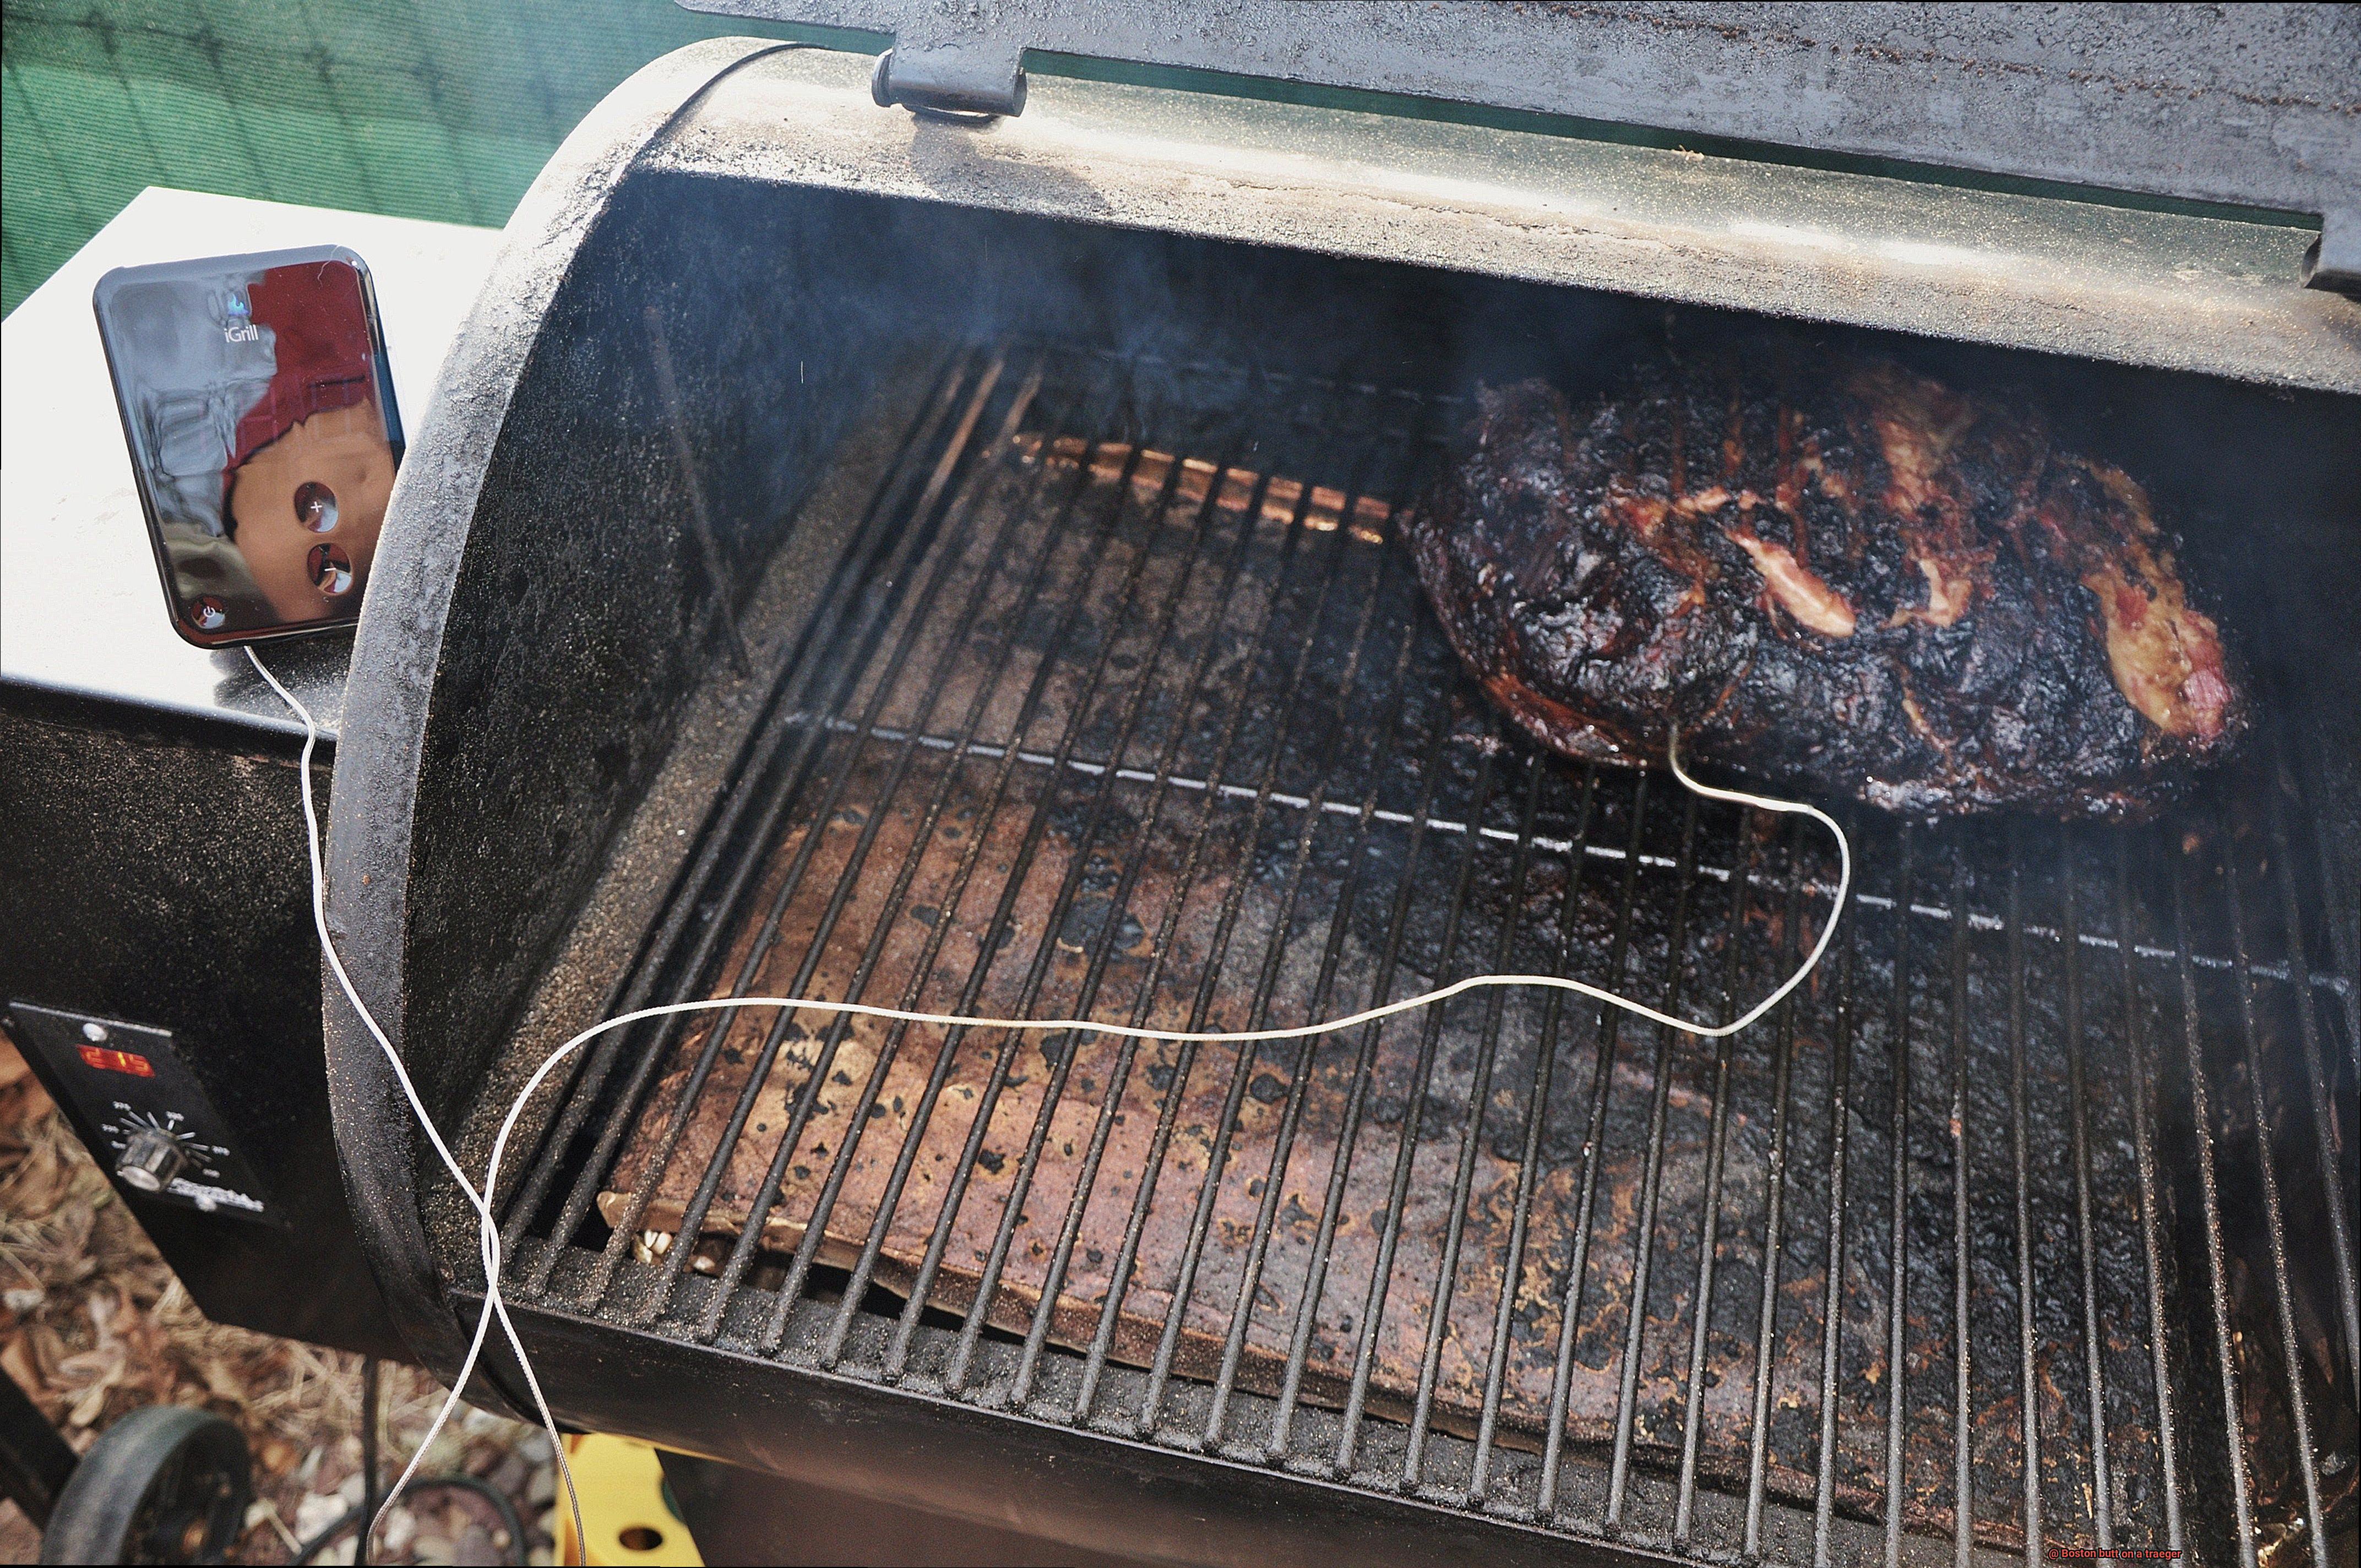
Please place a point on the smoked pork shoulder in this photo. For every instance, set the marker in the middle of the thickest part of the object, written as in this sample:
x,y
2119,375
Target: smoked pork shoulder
x,y
1835,573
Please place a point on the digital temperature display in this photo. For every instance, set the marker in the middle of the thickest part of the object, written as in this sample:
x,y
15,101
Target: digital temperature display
x,y
106,1060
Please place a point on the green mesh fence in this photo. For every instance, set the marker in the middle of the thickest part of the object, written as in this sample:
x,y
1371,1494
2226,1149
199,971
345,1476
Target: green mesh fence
x,y
420,108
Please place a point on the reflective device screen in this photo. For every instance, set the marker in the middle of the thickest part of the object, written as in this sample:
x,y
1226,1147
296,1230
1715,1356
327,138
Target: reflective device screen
x,y
261,418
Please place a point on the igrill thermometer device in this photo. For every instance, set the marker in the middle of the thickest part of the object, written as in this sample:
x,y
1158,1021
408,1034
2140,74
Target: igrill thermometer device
x,y
258,407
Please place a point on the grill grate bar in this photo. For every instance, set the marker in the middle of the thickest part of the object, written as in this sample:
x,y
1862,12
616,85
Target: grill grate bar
x,y
1035,577
806,1250
1103,943
2283,972
2274,1224
1832,1292
1193,1252
743,1253
2151,1221
1897,1359
1200,1219
2296,760
1037,1330
873,537
1357,1098
1963,1478
2216,1265
1265,989
1086,1184
1529,1160
864,1270
618,1243
1608,1023
1373,1307
1764,1371
1283,1146
1464,1177
653,1303
2323,1104
2020,1141
1644,1243
1102,947
980,1122
1716,1164
1168,1116
2102,1490
1307,1050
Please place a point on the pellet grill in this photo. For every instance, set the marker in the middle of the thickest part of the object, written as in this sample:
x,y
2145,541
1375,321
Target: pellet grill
x,y
921,532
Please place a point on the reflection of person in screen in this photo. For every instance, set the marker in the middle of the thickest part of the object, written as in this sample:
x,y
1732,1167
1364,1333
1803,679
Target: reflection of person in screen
x,y
306,509
311,467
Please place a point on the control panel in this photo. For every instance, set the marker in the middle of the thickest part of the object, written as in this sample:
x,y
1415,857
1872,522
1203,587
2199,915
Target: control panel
x,y
140,1110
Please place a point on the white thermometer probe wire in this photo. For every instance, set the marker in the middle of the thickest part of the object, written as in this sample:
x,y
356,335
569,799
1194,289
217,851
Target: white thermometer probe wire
x,y
488,1230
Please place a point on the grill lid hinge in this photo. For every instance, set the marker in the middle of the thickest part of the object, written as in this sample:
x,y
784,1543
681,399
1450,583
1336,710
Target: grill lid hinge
x,y
2334,259
952,76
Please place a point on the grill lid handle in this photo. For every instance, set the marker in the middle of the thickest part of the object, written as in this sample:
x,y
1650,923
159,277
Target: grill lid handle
x,y
2253,105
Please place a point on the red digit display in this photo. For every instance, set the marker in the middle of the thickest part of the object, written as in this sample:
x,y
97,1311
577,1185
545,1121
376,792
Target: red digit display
x,y
107,1060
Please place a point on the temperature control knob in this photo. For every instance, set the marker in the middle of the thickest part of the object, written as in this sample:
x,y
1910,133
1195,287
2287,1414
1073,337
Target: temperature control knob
x,y
150,1159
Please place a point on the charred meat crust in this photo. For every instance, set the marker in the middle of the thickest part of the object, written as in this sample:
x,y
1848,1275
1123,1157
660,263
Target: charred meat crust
x,y
1841,574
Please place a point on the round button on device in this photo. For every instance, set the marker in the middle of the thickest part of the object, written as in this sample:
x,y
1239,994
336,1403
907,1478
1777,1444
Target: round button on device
x,y
315,506
332,572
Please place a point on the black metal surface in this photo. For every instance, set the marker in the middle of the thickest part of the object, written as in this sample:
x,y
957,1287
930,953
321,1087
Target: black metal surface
x,y
736,1515
35,1462
139,1086
1042,1480
2252,104
1335,765
153,871
398,655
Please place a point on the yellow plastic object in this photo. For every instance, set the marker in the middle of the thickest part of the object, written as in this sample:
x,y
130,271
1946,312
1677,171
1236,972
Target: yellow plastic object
x,y
625,1513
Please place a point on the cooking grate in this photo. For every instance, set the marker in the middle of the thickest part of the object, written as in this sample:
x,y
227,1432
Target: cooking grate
x,y
1128,708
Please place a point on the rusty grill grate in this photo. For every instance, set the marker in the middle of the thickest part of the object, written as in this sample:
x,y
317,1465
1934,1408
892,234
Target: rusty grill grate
x,y
1128,708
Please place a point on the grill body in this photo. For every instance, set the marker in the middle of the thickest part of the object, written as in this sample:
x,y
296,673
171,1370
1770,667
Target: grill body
x,y
1053,653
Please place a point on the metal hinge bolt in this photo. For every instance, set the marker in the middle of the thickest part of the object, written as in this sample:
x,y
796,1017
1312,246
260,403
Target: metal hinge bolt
x,y
964,78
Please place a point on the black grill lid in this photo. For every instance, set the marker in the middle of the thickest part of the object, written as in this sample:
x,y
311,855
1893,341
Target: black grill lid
x,y
2254,105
